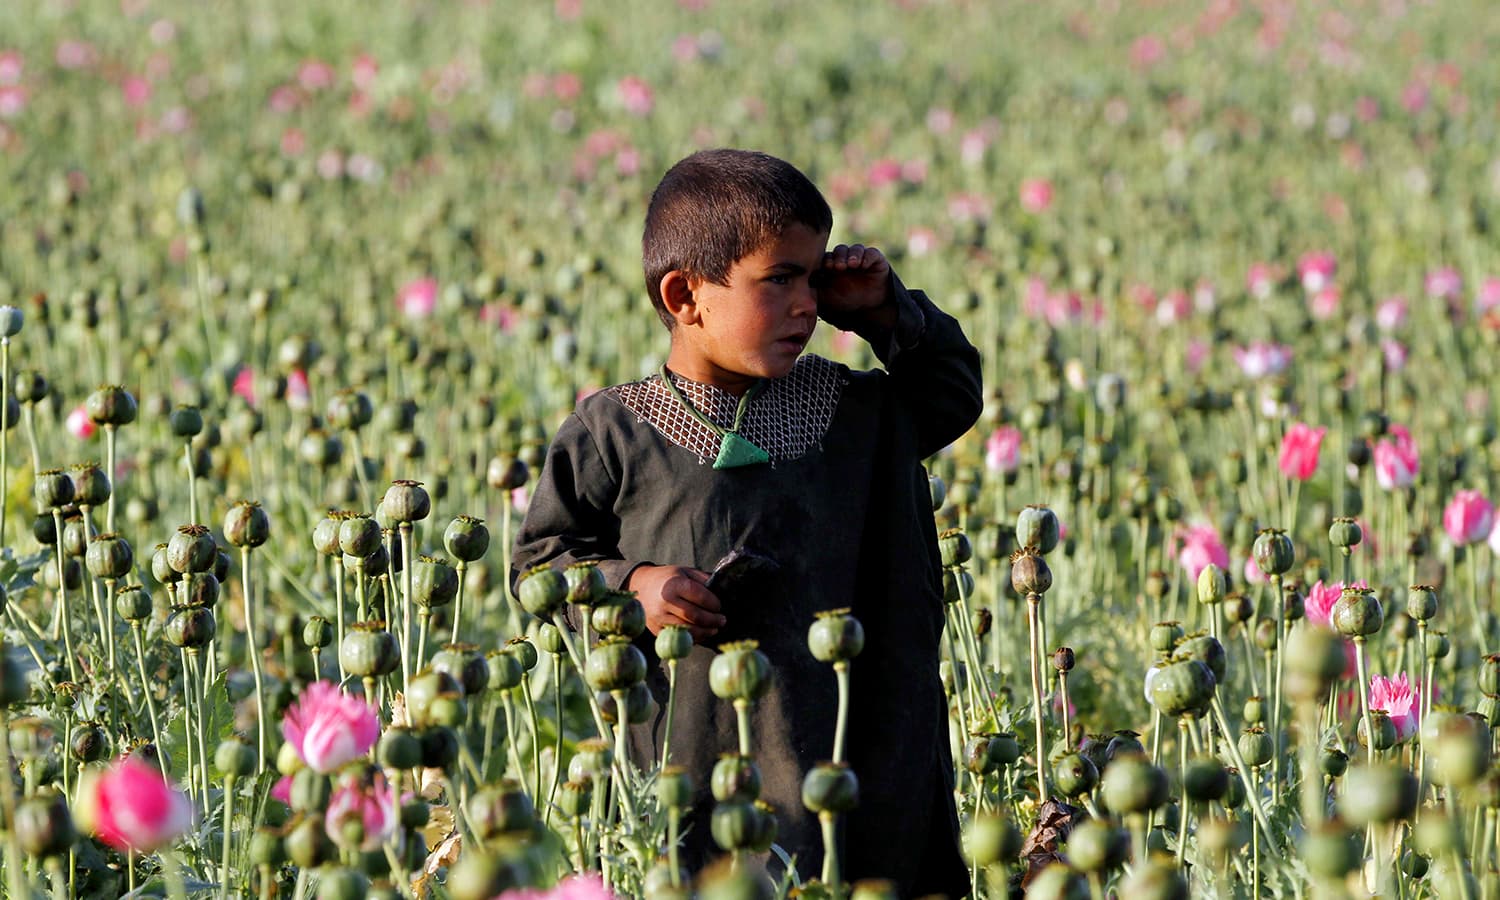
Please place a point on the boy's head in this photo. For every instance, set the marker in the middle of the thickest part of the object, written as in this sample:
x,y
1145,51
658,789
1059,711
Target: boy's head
x,y
716,207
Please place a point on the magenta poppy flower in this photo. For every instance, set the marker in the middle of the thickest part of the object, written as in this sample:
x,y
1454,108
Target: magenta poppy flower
x,y
130,806
635,95
79,424
1036,195
1260,280
1396,460
418,298
1259,359
1200,547
1299,451
1316,270
1444,283
586,886
1317,606
1391,313
330,728
1398,698
372,806
1002,450
1488,296
1468,518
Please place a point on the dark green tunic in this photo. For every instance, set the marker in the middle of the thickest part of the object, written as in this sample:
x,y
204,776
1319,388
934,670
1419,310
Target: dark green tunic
x,y
849,519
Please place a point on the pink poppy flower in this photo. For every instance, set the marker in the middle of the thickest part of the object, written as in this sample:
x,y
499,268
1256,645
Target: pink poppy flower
x,y
921,241
282,790
136,90
1205,297
1147,51
316,75
1299,451
1002,450
1260,280
883,172
1200,547
1316,270
130,806
418,298
244,385
586,886
13,99
363,71
1395,458
1317,606
1393,354
1488,297
79,424
1391,313
298,394
11,67
1324,303
372,807
1253,574
1444,283
1197,354
1468,518
635,95
1036,195
1173,308
1259,359
1398,698
73,54
330,728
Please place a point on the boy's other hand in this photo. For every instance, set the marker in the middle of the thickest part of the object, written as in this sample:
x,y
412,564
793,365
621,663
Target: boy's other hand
x,y
856,279
677,595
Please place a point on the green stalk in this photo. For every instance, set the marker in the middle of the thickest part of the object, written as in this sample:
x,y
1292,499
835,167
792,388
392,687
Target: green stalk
x,y
458,601
187,454
4,433
829,824
1033,607
1364,697
510,735
742,719
109,470
8,804
406,591
228,835
1183,724
338,602
254,652
62,598
841,673
140,662
536,737
557,677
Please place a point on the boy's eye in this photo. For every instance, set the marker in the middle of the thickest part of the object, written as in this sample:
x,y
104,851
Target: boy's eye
x,y
780,279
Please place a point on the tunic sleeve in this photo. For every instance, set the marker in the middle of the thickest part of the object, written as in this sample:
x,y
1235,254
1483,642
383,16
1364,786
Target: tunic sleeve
x,y
571,515
935,371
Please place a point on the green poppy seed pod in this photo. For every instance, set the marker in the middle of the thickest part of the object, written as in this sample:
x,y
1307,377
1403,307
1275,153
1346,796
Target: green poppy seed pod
x,y
90,485
1165,635
190,626
1488,709
325,535
1238,608
350,410
957,584
1314,659
1438,645
938,491
415,814
614,665
1254,710
1383,728
317,633
267,848
198,589
53,489
1345,533
594,760
572,800
32,386
1255,746
405,501
162,570
479,875
739,672
464,664
1459,749
426,686
1267,636
735,778
11,321
542,591
523,650
246,524
618,613
639,705
1168,507
234,757
399,748
506,473
342,883
1294,605
186,422
1182,688
1333,762
674,788
44,529
369,651
1489,674
110,405
321,449
1437,835
835,636
1234,795
1206,649
586,584
439,744
1421,602
1330,850
75,536
735,825
109,556
991,839
674,642
1357,613
550,639
1029,573
954,548
359,536
191,549
1057,881
434,582
1094,845
1212,585
133,603
1131,784
466,539
830,788
1155,880
89,743
1377,794
1205,780
502,809
71,575
1074,774
1037,528
44,826
505,670
1274,552
307,844
1063,659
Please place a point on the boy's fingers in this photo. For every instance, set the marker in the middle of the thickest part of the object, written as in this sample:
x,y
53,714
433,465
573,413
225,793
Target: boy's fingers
x,y
695,616
698,595
697,575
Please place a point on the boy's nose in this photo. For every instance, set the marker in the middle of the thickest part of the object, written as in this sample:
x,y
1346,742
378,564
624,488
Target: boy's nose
x,y
806,303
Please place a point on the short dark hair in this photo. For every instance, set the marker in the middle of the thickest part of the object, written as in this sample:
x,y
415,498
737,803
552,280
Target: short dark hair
x,y
716,207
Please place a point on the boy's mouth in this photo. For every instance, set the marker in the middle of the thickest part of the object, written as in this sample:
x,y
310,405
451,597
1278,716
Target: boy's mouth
x,y
795,341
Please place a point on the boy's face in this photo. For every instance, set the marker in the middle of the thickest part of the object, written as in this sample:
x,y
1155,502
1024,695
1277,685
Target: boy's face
x,y
758,324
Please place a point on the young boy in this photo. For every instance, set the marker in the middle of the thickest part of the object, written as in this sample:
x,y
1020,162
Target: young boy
x,y
743,442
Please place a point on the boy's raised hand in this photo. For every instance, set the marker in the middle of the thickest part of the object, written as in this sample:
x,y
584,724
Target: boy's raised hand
x,y
677,595
856,280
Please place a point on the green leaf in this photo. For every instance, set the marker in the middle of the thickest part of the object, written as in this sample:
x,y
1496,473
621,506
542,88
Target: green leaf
x,y
218,724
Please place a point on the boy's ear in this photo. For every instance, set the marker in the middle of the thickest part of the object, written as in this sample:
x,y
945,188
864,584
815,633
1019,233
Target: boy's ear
x,y
677,297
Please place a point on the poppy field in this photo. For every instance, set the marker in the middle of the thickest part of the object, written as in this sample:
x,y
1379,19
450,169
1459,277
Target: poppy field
x,y
293,296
